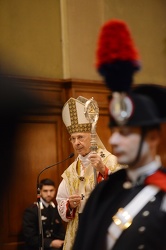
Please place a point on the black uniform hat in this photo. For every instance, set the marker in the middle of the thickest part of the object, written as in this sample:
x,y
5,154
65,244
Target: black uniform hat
x,y
117,61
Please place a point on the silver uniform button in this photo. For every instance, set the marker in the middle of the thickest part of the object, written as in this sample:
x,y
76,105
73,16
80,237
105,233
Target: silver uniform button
x,y
146,213
153,199
141,247
127,185
142,229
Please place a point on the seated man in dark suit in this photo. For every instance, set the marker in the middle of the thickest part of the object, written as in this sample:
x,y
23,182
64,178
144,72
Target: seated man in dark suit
x,y
52,225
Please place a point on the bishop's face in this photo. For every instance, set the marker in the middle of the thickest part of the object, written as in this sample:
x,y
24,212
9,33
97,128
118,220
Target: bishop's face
x,y
81,142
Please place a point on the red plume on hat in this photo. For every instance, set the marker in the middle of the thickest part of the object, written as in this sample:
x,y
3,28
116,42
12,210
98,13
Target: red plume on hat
x,y
117,59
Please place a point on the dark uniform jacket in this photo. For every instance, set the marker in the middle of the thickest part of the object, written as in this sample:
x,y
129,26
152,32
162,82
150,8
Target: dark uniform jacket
x,y
53,227
148,229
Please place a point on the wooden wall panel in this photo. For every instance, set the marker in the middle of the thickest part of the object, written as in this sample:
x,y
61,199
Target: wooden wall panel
x,y
35,149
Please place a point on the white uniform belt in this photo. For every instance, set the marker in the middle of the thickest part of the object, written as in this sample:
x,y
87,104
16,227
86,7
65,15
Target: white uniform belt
x,y
123,218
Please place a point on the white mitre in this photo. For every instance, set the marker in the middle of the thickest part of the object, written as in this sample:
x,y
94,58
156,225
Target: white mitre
x,y
73,116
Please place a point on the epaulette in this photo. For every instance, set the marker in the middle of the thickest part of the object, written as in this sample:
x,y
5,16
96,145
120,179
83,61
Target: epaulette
x,y
158,179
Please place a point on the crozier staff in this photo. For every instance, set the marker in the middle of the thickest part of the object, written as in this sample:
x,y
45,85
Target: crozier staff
x,y
91,112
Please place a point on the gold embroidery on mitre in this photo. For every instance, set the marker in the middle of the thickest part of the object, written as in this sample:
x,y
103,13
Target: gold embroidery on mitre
x,y
75,126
